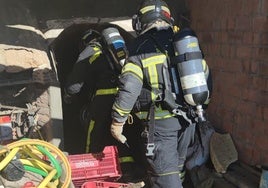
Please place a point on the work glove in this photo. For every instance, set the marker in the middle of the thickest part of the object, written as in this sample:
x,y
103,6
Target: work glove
x,y
117,130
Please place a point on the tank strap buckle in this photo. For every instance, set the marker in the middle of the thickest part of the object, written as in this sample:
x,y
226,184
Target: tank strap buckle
x,y
159,97
150,149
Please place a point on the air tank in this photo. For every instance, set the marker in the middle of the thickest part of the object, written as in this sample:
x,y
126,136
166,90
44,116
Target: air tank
x,y
116,46
189,64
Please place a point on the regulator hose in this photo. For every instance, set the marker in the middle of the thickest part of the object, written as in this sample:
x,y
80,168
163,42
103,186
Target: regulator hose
x,y
39,157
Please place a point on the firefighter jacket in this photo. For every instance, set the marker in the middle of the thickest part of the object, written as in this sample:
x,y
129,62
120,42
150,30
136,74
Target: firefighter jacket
x,y
142,78
93,69
145,76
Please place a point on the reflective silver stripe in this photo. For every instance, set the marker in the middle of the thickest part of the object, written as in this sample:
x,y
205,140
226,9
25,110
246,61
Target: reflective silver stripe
x,y
152,7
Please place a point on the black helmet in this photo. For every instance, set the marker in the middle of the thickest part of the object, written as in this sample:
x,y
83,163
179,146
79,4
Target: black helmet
x,y
90,36
150,11
116,46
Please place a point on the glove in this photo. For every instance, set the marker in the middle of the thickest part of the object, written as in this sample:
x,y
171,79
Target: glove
x,y
117,130
67,98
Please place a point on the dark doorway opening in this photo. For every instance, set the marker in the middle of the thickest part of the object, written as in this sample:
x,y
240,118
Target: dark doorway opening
x,y
66,50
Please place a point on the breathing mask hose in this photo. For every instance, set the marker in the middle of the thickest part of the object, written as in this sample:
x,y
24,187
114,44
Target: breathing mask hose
x,y
189,65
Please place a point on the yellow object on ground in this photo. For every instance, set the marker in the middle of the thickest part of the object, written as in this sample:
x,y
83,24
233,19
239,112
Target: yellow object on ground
x,y
39,157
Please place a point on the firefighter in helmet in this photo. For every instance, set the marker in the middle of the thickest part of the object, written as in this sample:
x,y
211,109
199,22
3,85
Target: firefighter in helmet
x,y
145,79
98,66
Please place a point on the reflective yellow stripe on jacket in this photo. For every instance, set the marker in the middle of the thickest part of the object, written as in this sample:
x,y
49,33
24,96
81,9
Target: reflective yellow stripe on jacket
x,y
106,91
150,64
97,53
135,70
159,114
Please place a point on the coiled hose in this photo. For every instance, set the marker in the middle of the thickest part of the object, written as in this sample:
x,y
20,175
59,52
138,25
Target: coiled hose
x,y
33,154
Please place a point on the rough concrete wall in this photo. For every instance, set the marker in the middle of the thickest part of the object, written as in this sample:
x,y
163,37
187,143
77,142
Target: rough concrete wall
x,y
22,45
234,37
25,70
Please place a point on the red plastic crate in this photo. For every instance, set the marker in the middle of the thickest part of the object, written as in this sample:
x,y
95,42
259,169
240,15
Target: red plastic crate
x,y
103,184
86,167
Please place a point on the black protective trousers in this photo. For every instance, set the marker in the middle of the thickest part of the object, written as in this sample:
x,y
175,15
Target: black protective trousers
x,y
171,145
99,134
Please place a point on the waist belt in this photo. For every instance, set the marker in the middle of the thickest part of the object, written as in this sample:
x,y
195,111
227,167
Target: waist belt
x,y
159,114
106,91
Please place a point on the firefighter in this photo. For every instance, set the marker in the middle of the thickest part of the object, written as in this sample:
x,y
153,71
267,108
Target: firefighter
x,y
145,79
98,67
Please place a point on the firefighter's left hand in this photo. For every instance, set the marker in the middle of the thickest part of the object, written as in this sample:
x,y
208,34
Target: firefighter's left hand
x,y
117,130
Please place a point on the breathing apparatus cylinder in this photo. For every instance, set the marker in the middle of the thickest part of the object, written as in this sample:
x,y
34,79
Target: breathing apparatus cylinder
x,y
188,61
116,46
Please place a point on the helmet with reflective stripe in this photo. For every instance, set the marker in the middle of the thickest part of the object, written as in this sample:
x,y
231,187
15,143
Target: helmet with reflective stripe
x,y
90,36
149,12
116,46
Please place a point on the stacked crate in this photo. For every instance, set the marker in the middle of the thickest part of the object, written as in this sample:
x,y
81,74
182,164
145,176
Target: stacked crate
x,y
89,168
